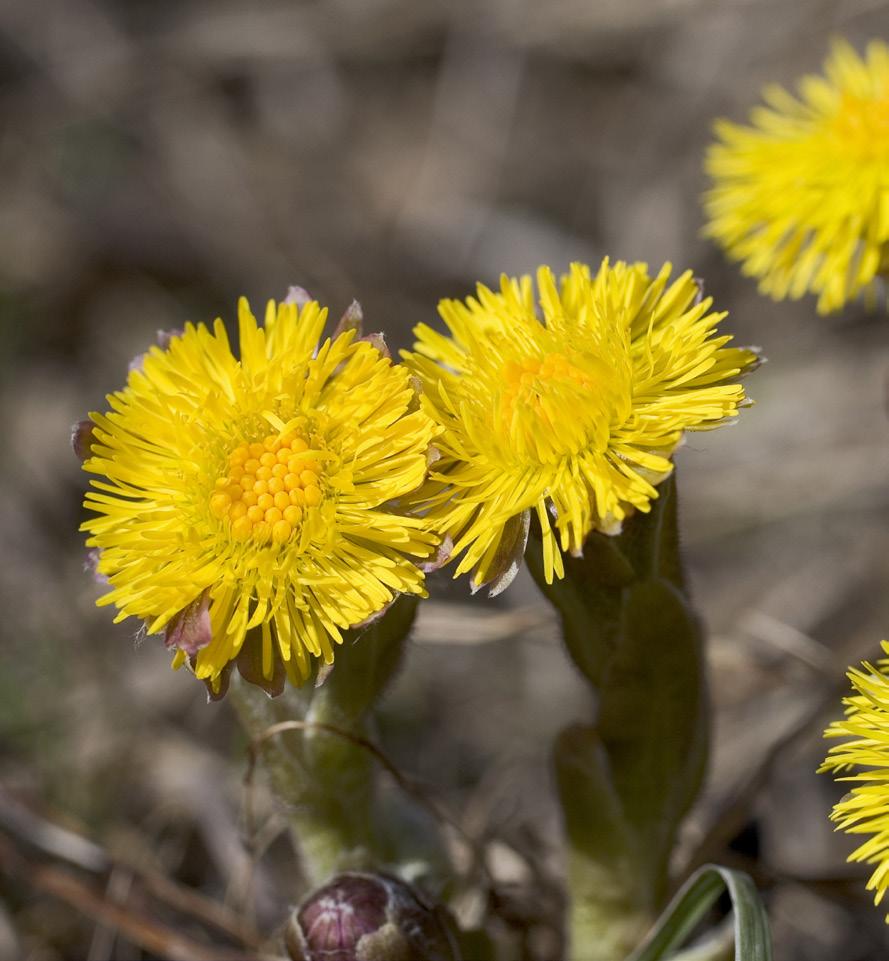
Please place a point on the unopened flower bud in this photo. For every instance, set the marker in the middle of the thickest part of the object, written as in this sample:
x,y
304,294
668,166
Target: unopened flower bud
x,y
367,917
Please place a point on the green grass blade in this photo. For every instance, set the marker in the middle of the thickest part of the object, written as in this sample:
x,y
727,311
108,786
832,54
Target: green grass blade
x,y
691,904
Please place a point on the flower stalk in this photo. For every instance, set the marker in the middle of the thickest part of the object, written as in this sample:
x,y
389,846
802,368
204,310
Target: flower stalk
x,y
327,780
626,781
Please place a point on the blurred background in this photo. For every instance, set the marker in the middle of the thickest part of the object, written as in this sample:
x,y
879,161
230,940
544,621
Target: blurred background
x,y
161,158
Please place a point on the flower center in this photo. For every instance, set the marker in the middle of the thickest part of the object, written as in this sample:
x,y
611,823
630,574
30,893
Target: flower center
x,y
529,384
552,406
862,123
268,487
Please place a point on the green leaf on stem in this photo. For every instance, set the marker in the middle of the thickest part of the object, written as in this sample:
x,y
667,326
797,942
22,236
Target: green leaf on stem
x,y
652,720
590,596
588,599
650,542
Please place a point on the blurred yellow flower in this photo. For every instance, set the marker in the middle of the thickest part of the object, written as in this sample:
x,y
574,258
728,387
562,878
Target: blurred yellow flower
x,y
574,416
865,810
244,506
801,195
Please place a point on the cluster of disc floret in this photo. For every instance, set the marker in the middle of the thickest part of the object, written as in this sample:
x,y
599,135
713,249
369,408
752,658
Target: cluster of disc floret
x,y
267,487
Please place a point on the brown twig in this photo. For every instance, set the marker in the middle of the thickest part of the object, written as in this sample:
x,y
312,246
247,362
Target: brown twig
x,y
117,891
188,901
135,926
67,845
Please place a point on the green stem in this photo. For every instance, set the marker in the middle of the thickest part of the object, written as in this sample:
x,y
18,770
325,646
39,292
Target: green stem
x,y
626,782
327,783
611,901
601,929
330,835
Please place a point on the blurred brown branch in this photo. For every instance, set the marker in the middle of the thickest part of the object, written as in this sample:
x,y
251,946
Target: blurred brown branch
x,y
25,832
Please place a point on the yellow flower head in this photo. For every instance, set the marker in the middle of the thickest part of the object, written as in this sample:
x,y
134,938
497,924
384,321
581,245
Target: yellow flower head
x,y
865,810
573,415
243,506
801,195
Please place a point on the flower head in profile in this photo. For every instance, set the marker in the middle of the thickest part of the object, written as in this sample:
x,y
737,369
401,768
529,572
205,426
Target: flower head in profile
x,y
865,752
801,194
572,412
243,505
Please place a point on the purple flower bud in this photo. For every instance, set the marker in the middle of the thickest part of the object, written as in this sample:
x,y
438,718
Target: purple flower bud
x,y
368,917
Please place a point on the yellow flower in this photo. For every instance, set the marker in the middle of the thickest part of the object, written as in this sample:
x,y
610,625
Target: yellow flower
x,y
865,810
244,506
575,416
801,195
